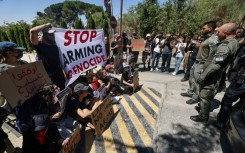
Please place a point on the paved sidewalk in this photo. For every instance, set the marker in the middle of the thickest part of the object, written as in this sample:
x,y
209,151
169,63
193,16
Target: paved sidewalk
x,y
174,131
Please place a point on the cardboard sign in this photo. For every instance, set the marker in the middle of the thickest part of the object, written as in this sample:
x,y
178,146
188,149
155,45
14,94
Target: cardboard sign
x,y
136,79
72,142
138,45
102,115
20,83
80,51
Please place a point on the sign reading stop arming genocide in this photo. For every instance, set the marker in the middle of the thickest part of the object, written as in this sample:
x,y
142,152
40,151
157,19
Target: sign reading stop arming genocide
x,y
102,115
80,50
20,83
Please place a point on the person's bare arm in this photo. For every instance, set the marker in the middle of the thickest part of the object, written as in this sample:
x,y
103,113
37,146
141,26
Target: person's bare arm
x,y
84,112
34,32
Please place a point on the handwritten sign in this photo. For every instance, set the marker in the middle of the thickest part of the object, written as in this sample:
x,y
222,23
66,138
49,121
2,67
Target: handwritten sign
x,y
72,142
136,80
102,115
80,50
138,44
20,83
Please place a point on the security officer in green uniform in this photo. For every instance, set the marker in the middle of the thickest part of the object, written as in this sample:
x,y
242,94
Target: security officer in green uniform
x,y
210,43
236,89
213,69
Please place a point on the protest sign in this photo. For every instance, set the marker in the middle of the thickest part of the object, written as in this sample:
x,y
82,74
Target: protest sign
x,y
22,82
136,80
72,142
138,44
80,50
102,115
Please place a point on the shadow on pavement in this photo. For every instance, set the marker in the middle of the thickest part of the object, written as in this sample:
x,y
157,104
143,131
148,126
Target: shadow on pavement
x,y
185,139
119,145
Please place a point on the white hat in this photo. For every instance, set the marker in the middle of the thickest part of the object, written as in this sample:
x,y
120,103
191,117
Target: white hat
x,y
148,35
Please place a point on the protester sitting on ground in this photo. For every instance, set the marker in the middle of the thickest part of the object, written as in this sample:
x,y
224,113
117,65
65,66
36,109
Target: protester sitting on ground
x,y
79,107
94,85
56,107
45,136
127,82
49,94
111,89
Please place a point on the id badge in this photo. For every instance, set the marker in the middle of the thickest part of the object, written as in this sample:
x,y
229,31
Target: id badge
x,y
219,58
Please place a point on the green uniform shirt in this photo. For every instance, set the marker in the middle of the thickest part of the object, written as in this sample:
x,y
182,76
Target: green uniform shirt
x,y
219,61
206,46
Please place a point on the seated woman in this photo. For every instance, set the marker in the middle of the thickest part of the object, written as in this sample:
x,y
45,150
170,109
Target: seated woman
x,y
44,135
111,88
79,107
56,107
93,84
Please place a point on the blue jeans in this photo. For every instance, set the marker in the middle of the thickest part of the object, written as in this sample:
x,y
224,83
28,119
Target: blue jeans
x,y
178,60
166,58
155,57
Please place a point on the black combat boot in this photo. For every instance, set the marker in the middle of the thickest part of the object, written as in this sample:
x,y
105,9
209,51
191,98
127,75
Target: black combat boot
x,y
191,101
185,94
198,118
184,79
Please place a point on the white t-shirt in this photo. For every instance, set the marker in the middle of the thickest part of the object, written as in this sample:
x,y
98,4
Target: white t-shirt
x,y
157,48
179,49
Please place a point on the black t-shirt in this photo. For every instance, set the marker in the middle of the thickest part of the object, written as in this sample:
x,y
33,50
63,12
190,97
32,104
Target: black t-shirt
x,y
107,48
125,75
167,49
114,51
49,54
105,80
30,142
125,42
72,105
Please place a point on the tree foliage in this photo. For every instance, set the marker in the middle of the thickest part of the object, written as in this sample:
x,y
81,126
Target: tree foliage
x,y
78,24
16,32
181,16
67,11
